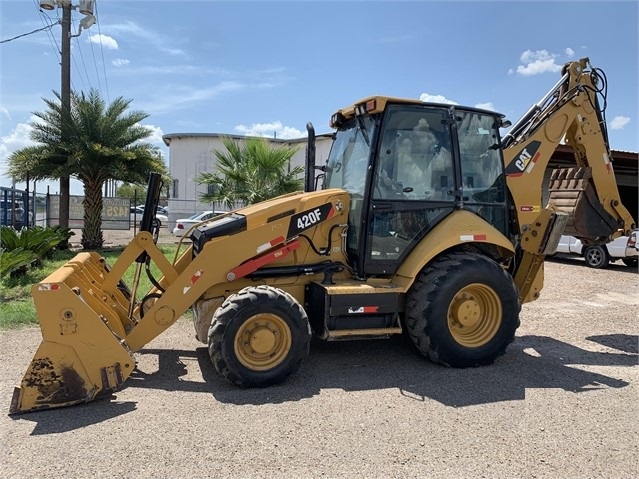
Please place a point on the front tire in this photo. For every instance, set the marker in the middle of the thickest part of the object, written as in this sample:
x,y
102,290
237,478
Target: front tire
x,y
463,310
259,337
596,256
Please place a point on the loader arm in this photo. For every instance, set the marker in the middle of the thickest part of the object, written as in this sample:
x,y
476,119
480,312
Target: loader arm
x,y
584,201
92,323
239,244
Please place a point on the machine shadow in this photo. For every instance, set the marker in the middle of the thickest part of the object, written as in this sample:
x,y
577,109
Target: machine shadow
x,y
76,417
370,365
623,342
395,364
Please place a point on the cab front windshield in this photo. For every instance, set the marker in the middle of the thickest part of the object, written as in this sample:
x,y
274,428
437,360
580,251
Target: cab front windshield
x,y
348,161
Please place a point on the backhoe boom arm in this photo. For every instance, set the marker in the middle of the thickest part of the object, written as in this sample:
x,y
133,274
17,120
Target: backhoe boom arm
x,y
583,201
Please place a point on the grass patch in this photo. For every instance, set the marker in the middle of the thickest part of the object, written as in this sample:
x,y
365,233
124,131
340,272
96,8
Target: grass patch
x,y
16,304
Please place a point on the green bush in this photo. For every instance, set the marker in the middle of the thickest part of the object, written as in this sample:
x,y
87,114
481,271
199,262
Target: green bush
x,y
65,236
20,249
15,261
17,308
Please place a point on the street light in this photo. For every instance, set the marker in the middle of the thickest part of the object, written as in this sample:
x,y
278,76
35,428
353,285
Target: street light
x,y
47,4
86,8
87,21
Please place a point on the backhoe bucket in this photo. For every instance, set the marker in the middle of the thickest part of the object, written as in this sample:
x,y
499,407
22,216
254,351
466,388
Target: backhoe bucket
x,y
571,192
81,356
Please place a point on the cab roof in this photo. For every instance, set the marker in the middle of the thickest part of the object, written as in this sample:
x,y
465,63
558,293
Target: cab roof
x,y
377,103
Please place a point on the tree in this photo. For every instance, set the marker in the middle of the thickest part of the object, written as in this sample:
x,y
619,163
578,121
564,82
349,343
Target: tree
x,y
251,171
104,142
130,190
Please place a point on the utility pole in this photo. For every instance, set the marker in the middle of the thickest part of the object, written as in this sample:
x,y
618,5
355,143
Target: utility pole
x,y
65,96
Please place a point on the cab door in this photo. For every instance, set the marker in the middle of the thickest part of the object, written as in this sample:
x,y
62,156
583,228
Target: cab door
x,y
413,185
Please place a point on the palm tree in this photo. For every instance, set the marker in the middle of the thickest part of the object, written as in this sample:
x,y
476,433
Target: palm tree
x,y
251,171
104,142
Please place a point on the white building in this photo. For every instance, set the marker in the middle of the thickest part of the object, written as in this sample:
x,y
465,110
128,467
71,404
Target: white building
x,y
193,153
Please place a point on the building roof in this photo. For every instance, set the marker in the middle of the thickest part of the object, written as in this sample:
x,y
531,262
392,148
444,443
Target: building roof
x,y
169,136
625,162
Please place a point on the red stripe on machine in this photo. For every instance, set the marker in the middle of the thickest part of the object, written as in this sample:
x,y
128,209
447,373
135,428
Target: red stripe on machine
x,y
270,244
363,309
253,264
196,276
472,238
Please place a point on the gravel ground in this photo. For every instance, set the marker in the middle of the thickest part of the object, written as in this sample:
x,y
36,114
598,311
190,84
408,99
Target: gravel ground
x,y
563,402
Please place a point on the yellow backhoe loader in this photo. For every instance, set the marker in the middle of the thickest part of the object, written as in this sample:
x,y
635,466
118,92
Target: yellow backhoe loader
x,y
422,218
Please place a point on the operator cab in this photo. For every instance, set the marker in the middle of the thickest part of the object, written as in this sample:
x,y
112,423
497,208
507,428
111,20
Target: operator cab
x,y
413,164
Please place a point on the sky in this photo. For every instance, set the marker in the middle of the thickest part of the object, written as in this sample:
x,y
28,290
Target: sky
x,y
268,68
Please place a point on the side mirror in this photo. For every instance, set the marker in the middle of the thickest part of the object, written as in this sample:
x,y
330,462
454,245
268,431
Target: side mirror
x,y
504,123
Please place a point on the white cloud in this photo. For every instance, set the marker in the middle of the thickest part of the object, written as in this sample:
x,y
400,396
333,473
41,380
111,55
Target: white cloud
x,y
486,106
569,52
618,122
427,97
104,40
19,138
270,130
182,97
156,135
180,69
539,61
159,40
118,62
5,112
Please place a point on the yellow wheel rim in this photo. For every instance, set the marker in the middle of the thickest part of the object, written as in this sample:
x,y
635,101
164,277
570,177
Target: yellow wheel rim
x,y
474,315
262,342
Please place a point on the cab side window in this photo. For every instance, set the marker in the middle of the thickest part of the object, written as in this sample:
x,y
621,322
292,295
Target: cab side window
x,y
415,161
482,167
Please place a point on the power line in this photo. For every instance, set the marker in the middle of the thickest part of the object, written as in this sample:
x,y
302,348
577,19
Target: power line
x,y
77,41
106,83
52,39
48,27
95,63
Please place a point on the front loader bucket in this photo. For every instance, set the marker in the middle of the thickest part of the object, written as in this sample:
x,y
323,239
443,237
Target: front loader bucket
x,y
81,356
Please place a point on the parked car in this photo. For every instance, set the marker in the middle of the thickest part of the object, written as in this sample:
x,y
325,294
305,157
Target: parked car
x,y
137,212
161,210
624,248
182,225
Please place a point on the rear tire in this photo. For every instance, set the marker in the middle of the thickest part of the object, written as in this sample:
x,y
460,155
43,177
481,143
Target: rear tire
x,y
259,337
463,310
631,262
596,256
